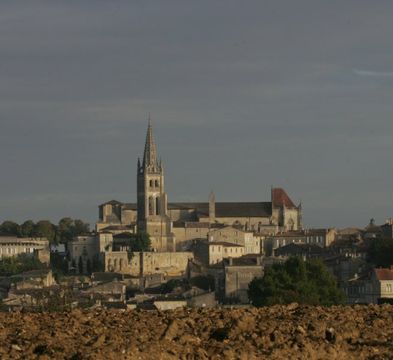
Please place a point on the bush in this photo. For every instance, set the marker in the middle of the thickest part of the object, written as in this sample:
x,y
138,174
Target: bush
x,y
304,282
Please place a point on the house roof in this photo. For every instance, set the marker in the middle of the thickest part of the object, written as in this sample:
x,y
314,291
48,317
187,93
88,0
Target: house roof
x,y
384,274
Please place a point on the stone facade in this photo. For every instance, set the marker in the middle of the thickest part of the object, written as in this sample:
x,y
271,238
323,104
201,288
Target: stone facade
x,y
13,246
169,224
148,263
230,234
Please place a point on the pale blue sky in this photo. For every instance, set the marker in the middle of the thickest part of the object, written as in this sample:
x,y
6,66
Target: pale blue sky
x,y
243,95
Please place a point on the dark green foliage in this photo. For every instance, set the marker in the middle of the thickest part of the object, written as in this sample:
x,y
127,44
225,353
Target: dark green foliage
x,y
63,232
80,265
140,242
88,267
27,229
381,252
68,228
9,228
304,282
18,264
203,282
46,229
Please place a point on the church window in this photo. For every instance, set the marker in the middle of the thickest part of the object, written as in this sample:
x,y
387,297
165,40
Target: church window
x,y
156,183
157,206
151,205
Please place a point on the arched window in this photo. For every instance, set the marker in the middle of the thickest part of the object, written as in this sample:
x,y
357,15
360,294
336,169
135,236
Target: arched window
x,y
158,206
156,183
115,264
151,183
120,264
151,205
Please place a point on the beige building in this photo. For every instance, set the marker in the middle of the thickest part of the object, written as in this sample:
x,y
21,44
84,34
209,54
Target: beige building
x,y
13,246
213,252
173,226
230,234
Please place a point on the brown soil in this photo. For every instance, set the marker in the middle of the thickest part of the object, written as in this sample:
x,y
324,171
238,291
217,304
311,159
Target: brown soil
x,y
279,332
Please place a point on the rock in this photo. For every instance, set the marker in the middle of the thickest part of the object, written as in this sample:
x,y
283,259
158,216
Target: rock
x,y
330,335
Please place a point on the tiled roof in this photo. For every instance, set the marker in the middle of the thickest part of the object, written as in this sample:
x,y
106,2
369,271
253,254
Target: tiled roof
x,y
384,274
228,209
281,198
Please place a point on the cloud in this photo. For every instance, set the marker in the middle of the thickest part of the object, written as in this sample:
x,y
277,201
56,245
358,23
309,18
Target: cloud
x,y
373,73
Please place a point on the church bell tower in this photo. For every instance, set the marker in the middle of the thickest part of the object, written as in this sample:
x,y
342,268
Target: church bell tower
x,y
152,200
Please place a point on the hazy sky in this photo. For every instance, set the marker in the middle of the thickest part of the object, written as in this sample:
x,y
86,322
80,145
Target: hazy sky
x,y
243,95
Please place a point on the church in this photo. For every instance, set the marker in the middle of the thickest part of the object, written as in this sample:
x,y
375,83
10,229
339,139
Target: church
x,y
174,226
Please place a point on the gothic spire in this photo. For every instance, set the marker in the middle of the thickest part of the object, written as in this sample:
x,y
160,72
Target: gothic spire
x,y
150,154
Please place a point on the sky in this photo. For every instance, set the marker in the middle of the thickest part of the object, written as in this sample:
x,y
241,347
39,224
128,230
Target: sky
x,y
242,95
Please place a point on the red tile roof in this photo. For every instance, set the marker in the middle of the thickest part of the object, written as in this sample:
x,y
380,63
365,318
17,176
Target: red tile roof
x,y
384,274
281,198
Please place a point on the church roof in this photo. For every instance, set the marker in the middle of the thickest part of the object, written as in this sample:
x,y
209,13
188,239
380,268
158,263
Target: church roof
x,y
280,198
150,153
223,209
228,209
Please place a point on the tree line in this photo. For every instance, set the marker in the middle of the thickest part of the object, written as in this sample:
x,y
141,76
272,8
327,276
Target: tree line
x,y
61,232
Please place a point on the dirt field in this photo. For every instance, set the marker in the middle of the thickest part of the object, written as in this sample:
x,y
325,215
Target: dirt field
x,y
280,332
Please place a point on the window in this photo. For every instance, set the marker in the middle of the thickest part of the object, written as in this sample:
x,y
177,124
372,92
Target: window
x,y
156,183
151,183
158,206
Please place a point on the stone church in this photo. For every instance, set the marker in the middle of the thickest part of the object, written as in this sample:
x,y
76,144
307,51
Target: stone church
x,y
173,226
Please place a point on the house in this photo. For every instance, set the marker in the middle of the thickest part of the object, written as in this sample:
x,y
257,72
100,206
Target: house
x,y
234,235
375,287
213,252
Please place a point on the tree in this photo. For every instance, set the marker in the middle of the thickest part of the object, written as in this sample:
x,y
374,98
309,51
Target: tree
x,y
381,252
27,229
18,264
9,228
46,229
141,242
304,282
80,265
68,228
64,231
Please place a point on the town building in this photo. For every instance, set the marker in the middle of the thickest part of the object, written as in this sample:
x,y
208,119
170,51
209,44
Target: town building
x,y
375,287
173,226
13,246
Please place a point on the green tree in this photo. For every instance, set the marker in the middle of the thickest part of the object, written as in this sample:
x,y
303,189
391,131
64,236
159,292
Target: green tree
x,y
18,264
80,265
141,242
27,229
67,228
64,231
45,228
296,280
9,228
381,252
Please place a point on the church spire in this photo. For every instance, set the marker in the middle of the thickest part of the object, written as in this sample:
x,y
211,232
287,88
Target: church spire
x,y
150,154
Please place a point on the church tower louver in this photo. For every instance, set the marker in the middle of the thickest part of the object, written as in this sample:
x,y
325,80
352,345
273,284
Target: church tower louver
x,y
152,200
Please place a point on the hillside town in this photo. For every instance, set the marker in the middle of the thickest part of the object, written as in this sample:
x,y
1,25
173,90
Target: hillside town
x,y
154,254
